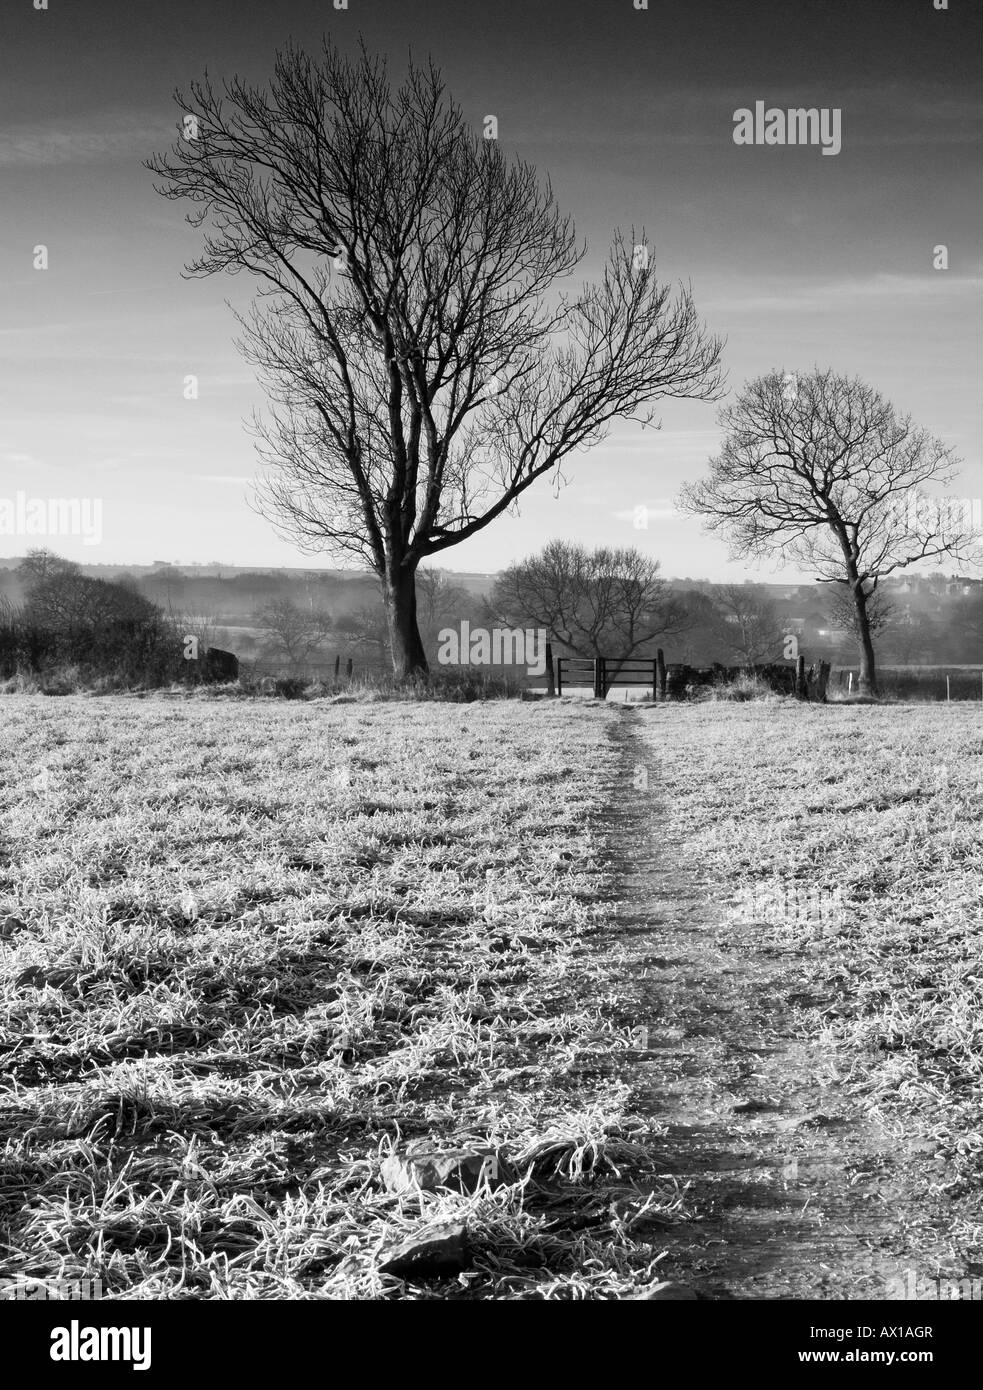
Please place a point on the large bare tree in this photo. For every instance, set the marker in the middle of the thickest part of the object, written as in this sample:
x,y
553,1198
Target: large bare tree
x,y
423,366
602,602
821,469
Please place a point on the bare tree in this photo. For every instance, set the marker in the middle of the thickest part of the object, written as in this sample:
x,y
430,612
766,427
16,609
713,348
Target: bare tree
x,y
602,602
297,632
95,622
367,630
751,628
67,601
39,565
423,368
437,595
822,470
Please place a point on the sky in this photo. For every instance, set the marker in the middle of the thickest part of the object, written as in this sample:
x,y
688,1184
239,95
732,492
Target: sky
x,y
797,258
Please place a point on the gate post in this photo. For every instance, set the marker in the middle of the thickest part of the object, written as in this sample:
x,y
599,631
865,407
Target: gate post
x,y
549,670
660,673
559,675
599,691
800,678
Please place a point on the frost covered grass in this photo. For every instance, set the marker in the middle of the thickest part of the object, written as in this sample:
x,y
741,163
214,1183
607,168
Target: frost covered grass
x,y
251,949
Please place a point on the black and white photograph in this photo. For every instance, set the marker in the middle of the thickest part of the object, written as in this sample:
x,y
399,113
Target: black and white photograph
x,y
491,671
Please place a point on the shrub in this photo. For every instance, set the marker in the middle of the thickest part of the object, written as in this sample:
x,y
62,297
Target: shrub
x,y
745,686
60,680
694,682
76,632
289,687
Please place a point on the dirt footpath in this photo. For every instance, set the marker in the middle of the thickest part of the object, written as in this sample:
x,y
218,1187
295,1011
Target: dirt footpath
x,y
791,1191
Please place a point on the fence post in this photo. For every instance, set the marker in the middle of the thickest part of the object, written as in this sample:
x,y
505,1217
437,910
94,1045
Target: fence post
x,y
948,692
559,675
348,669
660,672
824,669
337,665
800,678
550,690
599,691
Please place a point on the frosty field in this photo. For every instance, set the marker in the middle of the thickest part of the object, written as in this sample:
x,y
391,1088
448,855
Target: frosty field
x,y
251,950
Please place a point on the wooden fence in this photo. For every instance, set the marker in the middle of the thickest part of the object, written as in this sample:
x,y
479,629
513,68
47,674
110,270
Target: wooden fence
x,y
603,673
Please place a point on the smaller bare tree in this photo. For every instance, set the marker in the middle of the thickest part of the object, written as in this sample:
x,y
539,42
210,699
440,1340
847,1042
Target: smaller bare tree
x,y
297,633
603,602
822,470
751,628
39,565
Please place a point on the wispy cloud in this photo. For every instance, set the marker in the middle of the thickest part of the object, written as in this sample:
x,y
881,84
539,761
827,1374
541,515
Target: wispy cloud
x,y
674,443
784,295
103,136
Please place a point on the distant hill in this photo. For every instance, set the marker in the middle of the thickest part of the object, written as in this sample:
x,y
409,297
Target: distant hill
x,y
241,589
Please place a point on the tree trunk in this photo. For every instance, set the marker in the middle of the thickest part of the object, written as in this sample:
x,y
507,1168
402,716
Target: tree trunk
x,y
409,658
867,679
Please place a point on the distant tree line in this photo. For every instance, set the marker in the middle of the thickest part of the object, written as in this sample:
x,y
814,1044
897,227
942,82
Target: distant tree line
x,y
602,602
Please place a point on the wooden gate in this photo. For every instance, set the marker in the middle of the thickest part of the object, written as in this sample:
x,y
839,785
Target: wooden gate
x,y
602,673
